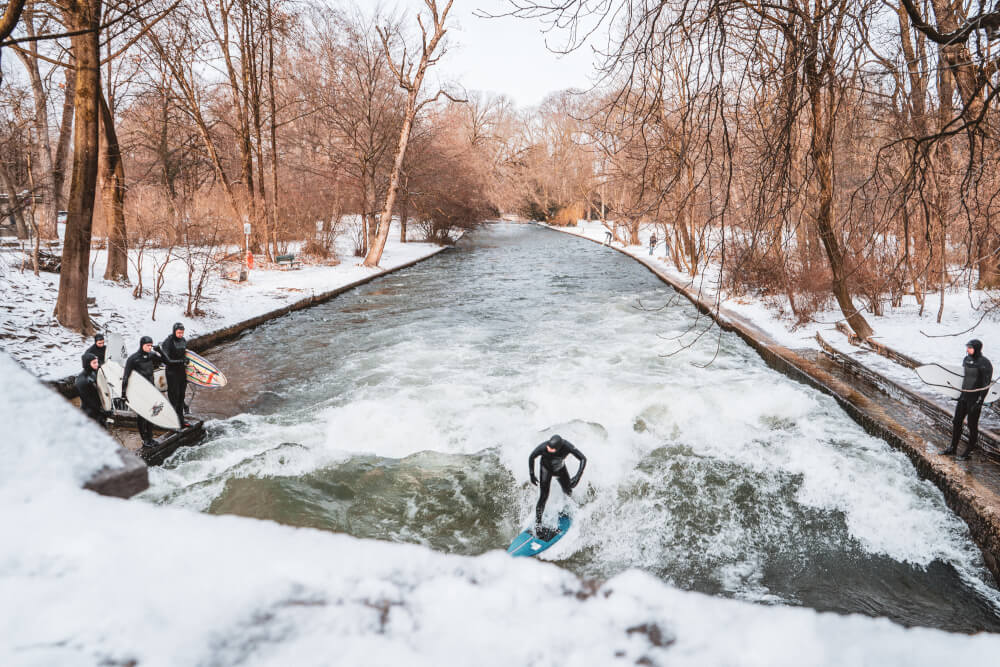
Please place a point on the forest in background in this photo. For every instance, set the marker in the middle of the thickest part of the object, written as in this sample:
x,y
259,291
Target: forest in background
x,y
818,150
815,149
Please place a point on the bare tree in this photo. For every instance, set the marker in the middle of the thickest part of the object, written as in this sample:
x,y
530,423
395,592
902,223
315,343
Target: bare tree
x,y
83,19
410,75
113,192
29,57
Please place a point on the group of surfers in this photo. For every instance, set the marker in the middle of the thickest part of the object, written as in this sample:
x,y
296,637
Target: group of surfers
x,y
171,353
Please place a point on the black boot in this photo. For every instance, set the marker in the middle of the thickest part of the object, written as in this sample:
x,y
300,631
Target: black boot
x,y
964,456
948,452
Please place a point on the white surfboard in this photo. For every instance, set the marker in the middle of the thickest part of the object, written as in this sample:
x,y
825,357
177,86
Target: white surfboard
x,y
948,380
142,397
116,350
150,404
112,373
104,391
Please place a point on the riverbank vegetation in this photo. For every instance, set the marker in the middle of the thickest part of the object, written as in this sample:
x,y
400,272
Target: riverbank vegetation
x,y
173,124
830,149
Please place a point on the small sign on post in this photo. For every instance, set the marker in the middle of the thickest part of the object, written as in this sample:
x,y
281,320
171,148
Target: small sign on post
x,y
247,257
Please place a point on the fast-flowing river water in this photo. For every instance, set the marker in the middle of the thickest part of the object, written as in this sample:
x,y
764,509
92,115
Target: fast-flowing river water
x,y
406,409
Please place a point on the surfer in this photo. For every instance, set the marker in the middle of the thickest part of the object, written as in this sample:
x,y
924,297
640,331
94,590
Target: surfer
x,y
142,362
174,351
978,376
553,453
97,349
86,387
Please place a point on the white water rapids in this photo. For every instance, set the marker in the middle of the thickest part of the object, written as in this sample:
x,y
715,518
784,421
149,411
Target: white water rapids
x,y
405,411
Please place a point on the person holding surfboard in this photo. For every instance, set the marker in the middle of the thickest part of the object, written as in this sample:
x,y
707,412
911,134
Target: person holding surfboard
x,y
86,387
553,453
142,362
975,386
173,350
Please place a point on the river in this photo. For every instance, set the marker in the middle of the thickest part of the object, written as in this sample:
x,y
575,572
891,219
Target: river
x,y
405,411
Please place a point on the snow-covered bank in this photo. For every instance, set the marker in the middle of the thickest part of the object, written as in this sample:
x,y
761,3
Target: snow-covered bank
x,y
30,334
93,580
903,328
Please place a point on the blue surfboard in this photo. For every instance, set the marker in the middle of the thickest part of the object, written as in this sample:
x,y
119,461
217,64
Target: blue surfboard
x,y
528,544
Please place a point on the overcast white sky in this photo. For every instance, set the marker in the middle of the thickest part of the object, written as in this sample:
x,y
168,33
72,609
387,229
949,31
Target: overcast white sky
x,y
505,55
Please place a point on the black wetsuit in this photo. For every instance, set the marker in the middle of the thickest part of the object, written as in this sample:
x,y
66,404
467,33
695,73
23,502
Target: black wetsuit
x,y
86,387
174,351
97,352
978,374
142,363
554,464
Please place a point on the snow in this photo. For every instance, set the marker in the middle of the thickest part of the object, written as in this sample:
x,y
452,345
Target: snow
x,y
30,333
90,580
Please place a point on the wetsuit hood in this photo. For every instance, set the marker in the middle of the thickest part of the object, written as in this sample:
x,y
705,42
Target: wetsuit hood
x,y
98,338
976,345
143,341
178,326
86,359
555,441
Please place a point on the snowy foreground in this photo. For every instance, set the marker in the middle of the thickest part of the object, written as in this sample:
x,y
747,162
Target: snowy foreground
x,y
90,580
30,333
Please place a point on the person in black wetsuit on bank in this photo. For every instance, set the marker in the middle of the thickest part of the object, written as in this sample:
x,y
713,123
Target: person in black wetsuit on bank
x,y
978,376
174,353
142,362
553,453
98,349
86,387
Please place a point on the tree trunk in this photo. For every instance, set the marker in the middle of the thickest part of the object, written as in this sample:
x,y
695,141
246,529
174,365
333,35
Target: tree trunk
x,y
113,192
11,15
404,210
412,87
65,132
385,219
15,211
71,306
46,220
274,127
820,86
372,216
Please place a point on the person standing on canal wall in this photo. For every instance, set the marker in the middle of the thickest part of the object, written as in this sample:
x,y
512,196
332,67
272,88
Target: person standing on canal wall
x,y
174,353
652,243
975,386
553,453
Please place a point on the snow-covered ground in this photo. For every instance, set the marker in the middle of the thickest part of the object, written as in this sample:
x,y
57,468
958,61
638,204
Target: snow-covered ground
x,y
30,333
91,580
